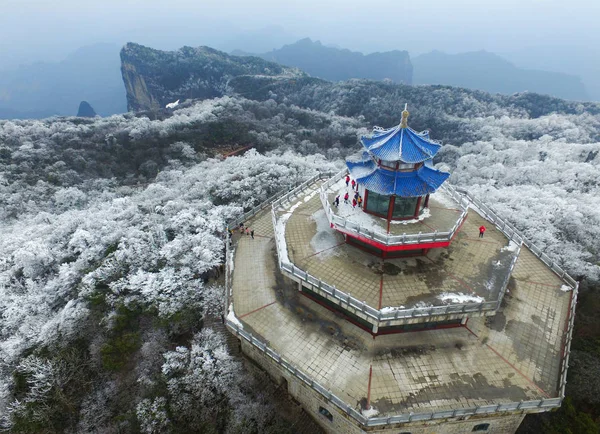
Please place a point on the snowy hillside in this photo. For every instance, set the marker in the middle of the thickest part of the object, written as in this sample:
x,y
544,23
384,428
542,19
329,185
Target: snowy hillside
x,y
111,226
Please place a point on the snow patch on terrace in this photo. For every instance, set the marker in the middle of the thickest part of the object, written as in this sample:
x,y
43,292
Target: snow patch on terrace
x,y
231,317
280,226
444,199
389,309
425,214
512,247
230,261
369,412
565,288
450,297
311,195
325,238
280,233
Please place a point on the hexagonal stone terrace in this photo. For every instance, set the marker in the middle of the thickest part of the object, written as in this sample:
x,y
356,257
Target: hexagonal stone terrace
x,y
471,272
514,356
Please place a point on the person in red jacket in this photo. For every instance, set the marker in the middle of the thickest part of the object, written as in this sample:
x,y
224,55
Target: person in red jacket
x,y
346,197
347,180
353,203
353,184
481,231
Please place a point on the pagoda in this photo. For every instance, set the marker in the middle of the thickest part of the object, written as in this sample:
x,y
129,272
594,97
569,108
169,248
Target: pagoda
x,y
396,171
396,178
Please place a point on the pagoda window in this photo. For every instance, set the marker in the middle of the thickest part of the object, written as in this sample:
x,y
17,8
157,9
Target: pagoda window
x,y
390,165
404,207
406,167
377,204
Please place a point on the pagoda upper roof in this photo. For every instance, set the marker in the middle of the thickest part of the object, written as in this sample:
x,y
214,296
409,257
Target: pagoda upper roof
x,y
400,143
419,182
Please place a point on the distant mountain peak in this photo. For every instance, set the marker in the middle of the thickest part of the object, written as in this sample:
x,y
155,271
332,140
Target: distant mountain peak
x,y
85,110
337,64
484,70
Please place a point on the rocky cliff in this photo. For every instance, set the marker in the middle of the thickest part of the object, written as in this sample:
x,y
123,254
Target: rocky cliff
x,y
155,78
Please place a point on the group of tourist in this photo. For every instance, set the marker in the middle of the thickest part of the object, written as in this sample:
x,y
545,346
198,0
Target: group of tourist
x,y
243,230
246,230
357,200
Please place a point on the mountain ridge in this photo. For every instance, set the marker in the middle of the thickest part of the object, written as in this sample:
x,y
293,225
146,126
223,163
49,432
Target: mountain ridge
x,y
338,64
483,70
155,78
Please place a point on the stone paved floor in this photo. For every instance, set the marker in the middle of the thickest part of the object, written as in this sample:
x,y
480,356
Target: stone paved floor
x,y
528,330
252,292
512,356
468,266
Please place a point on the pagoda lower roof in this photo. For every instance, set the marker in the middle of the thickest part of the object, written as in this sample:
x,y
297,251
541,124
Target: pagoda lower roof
x,y
424,180
400,144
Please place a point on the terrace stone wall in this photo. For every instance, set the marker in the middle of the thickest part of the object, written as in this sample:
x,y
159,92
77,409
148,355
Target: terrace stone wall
x,y
341,423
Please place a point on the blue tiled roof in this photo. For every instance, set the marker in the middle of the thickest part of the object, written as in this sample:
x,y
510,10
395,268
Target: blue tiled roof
x,y
400,144
425,180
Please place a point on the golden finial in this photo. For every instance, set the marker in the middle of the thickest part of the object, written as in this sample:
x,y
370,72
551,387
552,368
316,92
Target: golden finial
x,y
404,123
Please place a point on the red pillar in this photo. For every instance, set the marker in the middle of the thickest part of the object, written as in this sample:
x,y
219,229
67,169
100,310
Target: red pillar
x,y
418,206
390,212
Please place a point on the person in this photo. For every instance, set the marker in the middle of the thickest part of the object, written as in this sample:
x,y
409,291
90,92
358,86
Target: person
x,y
356,195
346,197
481,231
359,200
347,180
242,228
353,184
337,201
353,203
247,231
252,233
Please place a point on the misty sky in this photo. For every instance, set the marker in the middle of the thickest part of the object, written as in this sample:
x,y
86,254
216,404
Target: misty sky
x,y
34,30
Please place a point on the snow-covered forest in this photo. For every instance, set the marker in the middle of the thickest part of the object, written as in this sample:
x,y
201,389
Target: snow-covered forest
x,y
110,228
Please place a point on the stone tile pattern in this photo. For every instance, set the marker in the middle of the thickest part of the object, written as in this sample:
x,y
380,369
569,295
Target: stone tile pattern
x,y
253,279
529,329
420,372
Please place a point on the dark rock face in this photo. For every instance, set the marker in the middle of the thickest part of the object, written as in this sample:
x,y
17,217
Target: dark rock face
x,y
155,78
85,110
337,64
